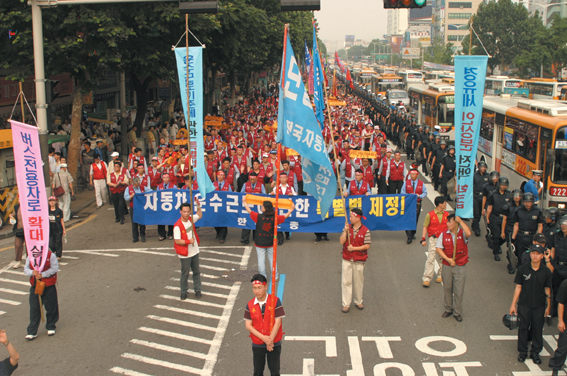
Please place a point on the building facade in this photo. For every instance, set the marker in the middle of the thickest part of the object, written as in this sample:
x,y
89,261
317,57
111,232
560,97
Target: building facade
x,y
397,21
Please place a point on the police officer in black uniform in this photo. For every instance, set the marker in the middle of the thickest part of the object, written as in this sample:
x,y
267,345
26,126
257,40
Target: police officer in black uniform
x,y
436,159
427,146
416,142
528,220
550,226
447,171
488,189
480,179
559,254
495,212
508,212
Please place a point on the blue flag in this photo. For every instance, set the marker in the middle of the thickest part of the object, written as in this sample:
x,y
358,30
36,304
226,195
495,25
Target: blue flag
x,y
195,121
470,74
307,58
298,129
318,92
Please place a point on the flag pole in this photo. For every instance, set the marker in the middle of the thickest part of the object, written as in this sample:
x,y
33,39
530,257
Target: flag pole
x,y
23,121
187,122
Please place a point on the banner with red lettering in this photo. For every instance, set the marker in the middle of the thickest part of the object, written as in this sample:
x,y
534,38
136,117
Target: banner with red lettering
x,y
32,192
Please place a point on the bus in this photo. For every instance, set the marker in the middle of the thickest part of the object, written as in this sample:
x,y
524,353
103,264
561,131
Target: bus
x,y
495,85
410,77
434,105
542,88
518,136
381,83
364,77
563,96
437,75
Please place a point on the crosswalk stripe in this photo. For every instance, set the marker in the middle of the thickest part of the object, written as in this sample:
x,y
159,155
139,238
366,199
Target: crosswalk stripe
x,y
223,296
182,323
194,301
188,312
15,292
13,272
170,349
212,267
95,253
220,253
2,312
203,275
183,337
72,258
209,284
127,372
62,263
217,260
10,302
16,282
145,359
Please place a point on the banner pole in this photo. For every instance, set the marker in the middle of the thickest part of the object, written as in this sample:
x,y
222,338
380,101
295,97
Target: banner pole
x,y
187,122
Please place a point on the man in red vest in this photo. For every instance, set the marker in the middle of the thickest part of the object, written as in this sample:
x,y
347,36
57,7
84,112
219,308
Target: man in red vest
x,y
222,185
355,253
359,186
453,249
186,244
396,174
259,311
154,173
118,181
49,297
414,186
136,187
98,180
383,172
161,228
434,225
255,187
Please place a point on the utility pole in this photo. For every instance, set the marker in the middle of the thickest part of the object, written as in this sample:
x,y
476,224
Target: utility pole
x,y
470,38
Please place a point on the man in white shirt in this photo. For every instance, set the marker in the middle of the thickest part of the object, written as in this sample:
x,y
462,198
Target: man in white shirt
x,y
98,175
187,248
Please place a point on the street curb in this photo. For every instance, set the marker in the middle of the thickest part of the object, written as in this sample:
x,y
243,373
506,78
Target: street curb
x,y
83,206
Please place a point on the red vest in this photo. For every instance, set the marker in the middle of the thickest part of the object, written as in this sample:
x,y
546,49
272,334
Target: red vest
x,y
261,173
262,322
183,250
348,166
211,169
169,186
385,162
131,193
435,227
195,186
397,173
121,177
209,145
462,249
354,191
155,177
229,176
241,163
368,175
418,188
257,187
225,187
49,281
144,180
99,173
287,192
356,241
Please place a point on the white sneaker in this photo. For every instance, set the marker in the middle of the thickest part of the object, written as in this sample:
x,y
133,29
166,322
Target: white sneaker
x,y
51,333
30,337
17,265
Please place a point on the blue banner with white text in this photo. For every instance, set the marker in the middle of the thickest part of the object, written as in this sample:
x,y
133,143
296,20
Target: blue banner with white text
x,y
470,74
225,209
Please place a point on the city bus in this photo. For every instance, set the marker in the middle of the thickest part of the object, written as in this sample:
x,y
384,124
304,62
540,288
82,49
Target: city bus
x,y
364,77
518,136
381,83
437,75
495,85
410,77
563,96
544,88
434,105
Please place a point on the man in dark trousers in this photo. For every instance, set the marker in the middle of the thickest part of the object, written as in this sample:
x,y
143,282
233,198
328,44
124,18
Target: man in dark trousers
x,y
396,174
447,171
259,311
436,158
528,221
558,248
558,360
494,215
480,179
414,186
488,189
532,295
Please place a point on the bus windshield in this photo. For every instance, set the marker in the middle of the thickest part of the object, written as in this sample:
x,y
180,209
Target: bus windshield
x,y
397,94
560,166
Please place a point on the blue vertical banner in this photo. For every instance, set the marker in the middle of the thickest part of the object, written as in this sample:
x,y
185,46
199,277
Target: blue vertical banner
x,y
299,130
470,74
194,76
318,82
307,58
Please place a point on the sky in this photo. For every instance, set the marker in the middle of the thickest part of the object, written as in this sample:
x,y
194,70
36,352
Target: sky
x,y
365,19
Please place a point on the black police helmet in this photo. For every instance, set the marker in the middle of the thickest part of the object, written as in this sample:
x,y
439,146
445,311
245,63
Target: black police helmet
x,y
551,212
494,175
504,181
451,147
563,220
511,321
482,164
443,142
529,197
517,193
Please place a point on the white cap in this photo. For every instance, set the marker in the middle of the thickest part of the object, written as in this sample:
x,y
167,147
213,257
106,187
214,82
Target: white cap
x,y
115,154
63,165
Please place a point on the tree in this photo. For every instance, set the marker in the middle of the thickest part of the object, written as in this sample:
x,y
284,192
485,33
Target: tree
x,y
539,55
558,35
439,53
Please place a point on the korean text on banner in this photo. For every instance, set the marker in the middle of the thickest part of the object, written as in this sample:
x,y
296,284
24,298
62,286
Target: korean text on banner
x,y
299,130
195,124
32,192
470,74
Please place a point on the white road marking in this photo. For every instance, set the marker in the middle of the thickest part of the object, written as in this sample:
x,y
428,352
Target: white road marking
x,y
94,253
170,349
193,301
15,282
187,324
127,372
62,263
383,345
330,343
213,268
188,312
15,292
183,337
161,363
10,302
355,357
215,260
72,257
223,296
2,312
309,369
203,275
245,258
543,352
205,250
13,272
208,284
422,345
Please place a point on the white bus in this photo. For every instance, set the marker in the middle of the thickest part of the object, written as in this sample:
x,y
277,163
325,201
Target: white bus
x,y
541,88
410,77
495,85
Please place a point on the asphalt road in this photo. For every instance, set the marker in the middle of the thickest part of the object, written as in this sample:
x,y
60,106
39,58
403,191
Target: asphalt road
x,y
120,312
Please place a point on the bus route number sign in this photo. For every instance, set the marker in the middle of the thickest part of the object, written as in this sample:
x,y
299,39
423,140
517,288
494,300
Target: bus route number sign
x,y
555,191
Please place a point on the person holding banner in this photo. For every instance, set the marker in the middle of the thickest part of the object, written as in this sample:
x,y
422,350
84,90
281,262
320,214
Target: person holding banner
x,y
251,186
186,244
221,185
136,187
356,241
383,172
264,233
434,225
415,186
118,181
161,228
396,174
358,186
48,296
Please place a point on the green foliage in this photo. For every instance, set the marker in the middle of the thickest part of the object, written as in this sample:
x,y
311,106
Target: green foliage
x,y
439,53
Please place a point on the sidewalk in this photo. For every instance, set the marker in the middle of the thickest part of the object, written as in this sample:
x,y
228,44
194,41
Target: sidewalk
x,y
82,200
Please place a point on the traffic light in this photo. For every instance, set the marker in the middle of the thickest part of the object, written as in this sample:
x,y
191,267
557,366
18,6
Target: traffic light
x,y
300,5
395,4
197,7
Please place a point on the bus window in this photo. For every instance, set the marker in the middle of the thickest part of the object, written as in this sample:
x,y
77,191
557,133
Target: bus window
x,y
487,126
525,137
446,115
559,172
